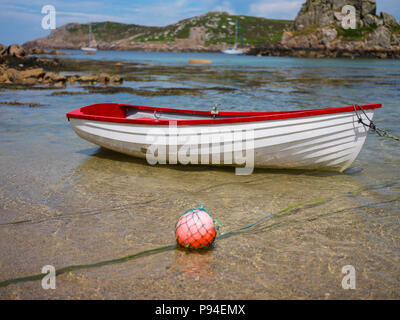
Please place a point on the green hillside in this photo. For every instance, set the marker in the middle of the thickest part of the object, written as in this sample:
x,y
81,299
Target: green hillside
x,y
220,28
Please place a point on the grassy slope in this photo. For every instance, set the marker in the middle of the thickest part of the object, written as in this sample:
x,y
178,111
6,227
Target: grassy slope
x,y
220,27
361,34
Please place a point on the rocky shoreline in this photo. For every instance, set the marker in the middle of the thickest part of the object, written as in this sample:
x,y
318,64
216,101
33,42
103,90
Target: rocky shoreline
x,y
17,67
327,51
145,47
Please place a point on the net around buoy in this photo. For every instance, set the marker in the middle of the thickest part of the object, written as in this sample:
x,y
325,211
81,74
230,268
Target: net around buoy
x,y
195,229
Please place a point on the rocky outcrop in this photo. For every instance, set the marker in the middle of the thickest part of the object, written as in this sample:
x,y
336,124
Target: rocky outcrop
x,y
317,31
13,50
32,73
16,68
29,76
370,20
104,78
327,12
40,76
18,51
326,34
380,37
388,19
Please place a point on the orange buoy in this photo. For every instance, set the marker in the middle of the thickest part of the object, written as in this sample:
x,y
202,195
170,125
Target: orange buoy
x,y
191,60
195,229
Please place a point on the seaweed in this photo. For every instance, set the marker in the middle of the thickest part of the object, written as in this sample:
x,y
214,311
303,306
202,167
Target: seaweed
x,y
17,103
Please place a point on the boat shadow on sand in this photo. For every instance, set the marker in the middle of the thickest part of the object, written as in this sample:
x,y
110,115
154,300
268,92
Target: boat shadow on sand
x,y
106,154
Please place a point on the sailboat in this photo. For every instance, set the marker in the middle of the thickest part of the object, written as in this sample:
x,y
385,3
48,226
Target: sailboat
x,y
90,49
235,50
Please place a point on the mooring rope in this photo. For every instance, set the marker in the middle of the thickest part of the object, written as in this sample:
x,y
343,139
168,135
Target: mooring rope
x,y
92,265
286,210
270,216
306,204
372,126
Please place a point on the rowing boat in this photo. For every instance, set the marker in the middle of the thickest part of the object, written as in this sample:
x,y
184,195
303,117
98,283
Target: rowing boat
x,y
328,139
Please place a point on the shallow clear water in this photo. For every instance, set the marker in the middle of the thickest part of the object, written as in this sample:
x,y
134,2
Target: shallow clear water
x,y
64,201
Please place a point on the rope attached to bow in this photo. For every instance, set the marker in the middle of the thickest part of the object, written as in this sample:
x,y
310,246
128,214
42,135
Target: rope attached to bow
x,y
371,124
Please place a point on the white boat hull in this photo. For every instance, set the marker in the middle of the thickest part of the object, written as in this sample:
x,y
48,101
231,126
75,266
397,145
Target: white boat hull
x,y
329,141
234,51
89,49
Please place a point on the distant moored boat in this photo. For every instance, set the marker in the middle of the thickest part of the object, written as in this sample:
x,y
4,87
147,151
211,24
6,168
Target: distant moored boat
x,y
89,48
234,49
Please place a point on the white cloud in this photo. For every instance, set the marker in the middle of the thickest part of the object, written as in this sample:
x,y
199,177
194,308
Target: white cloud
x,y
81,16
225,6
276,9
162,13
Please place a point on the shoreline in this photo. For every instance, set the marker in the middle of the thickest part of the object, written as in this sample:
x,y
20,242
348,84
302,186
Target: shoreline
x,y
150,48
323,51
271,50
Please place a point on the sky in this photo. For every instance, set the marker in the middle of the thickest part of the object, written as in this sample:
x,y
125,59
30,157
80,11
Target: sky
x,y
21,20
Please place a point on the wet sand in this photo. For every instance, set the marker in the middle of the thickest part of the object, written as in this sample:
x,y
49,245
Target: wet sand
x,y
112,206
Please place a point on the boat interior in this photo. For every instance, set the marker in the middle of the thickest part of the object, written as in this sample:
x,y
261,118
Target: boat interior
x,y
155,113
133,113
115,112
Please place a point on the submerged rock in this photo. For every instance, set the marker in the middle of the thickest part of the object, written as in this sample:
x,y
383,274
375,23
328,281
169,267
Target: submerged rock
x,y
104,77
116,79
88,78
43,51
37,51
32,73
56,52
17,103
72,79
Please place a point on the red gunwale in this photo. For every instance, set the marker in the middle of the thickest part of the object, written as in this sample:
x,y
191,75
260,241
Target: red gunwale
x,y
115,112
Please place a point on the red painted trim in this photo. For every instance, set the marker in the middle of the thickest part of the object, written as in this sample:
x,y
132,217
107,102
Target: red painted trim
x,y
115,112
